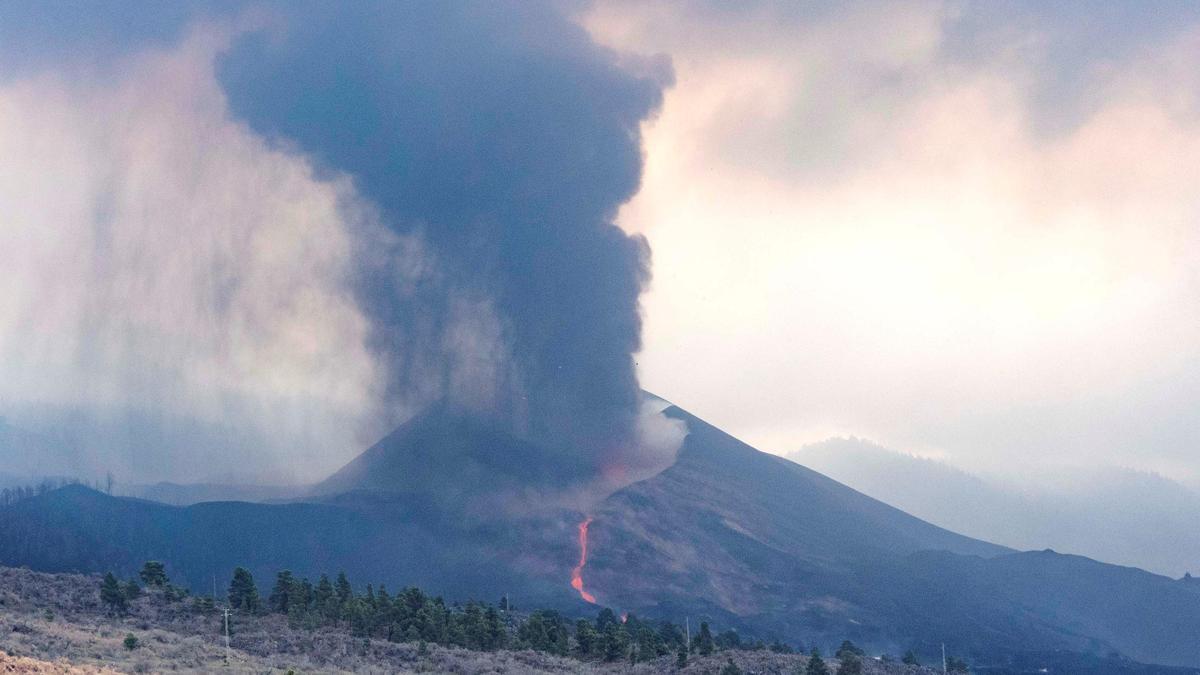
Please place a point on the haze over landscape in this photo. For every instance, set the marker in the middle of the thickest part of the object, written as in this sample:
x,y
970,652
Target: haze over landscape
x,y
962,229
818,322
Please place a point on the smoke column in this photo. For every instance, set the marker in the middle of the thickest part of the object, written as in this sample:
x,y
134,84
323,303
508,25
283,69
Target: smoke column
x,y
448,173
505,140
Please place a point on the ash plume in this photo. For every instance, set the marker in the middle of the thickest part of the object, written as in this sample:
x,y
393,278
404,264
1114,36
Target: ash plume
x,y
283,227
502,138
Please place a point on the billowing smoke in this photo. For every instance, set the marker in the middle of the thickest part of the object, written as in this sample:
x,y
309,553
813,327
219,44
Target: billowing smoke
x,y
287,225
506,140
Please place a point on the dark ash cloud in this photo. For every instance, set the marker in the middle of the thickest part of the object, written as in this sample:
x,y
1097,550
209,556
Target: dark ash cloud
x,y
488,146
502,137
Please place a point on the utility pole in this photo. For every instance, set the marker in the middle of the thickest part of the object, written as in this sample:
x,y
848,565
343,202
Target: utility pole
x,y
225,611
943,658
687,623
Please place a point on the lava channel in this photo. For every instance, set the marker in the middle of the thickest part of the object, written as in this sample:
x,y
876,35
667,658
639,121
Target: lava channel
x,y
577,573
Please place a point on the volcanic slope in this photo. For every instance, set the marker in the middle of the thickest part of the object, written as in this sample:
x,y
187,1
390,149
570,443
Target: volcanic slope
x,y
741,537
744,536
456,461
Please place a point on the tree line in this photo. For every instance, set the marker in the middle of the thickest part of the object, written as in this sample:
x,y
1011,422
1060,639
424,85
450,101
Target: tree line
x,y
12,494
411,615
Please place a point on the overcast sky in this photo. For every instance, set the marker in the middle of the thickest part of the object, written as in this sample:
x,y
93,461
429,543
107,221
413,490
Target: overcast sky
x,y
966,230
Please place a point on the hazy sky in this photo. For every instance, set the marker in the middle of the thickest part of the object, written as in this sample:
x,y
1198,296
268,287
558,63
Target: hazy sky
x,y
967,230
173,302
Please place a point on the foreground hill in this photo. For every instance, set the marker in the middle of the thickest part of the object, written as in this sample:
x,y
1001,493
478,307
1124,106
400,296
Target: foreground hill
x,y
741,537
76,529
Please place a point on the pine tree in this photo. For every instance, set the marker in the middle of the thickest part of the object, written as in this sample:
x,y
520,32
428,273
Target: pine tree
x,y
848,648
153,573
910,659
545,631
359,613
605,617
343,589
681,658
474,628
586,639
281,594
728,640
496,637
301,597
112,595
385,613
704,641
670,636
730,668
202,604
648,645
173,593
326,602
614,641
243,594
297,617
851,664
132,590
816,665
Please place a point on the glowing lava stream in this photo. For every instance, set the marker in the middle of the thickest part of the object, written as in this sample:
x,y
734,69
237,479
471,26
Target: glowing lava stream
x,y
577,573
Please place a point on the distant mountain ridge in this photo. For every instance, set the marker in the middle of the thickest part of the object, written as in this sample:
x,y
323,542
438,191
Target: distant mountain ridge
x,y
186,494
1090,516
730,533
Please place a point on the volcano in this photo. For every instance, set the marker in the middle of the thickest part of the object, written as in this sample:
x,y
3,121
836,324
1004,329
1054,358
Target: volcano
x,y
727,534
460,464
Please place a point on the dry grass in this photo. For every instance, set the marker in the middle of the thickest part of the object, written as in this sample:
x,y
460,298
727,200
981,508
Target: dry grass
x,y
24,664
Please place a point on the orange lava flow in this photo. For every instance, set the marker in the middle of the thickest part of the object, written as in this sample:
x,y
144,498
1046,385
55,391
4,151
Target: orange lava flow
x,y
577,573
